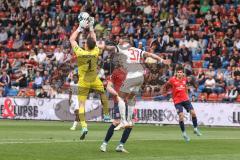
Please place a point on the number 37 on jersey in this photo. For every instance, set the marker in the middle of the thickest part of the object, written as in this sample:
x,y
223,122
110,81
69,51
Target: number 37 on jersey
x,y
134,55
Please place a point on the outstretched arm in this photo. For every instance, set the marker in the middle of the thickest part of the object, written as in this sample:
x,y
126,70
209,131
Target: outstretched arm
x,y
148,54
195,84
165,87
103,46
74,36
91,29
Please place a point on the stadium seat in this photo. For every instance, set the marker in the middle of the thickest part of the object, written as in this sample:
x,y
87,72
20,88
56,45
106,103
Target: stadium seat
x,y
196,57
3,55
147,98
11,54
205,64
199,21
177,35
238,10
213,97
12,92
2,15
195,27
202,96
197,64
30,85
18,55
11,61
30,93
220,97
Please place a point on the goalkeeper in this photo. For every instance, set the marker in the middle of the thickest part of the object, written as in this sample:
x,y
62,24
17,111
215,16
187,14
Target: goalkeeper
x,y
87,70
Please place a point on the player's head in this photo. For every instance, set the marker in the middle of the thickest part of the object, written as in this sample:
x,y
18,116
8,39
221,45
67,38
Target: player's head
x,y
123,40
90,43
179,71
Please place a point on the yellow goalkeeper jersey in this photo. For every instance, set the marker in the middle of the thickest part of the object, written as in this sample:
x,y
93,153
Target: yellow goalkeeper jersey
x,y
87,63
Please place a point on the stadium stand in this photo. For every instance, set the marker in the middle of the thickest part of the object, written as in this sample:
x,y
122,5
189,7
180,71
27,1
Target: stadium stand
x,y
203,35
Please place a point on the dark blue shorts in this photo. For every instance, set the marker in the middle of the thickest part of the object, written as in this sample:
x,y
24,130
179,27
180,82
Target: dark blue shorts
x,y
186,104
116,113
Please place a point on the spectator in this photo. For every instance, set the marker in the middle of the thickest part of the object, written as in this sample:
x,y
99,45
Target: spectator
x,y
45,76
208,28
209,85
58,56
215,60
210,72
21,81
237,44
205,7
237,83
17,64
220,86
42,94
38,81
5,83
5,64
228,76
17,43
25,4
186,55
188,69
235,56
192,88
231,94
32,56
193,46
201,77
41,56
3,36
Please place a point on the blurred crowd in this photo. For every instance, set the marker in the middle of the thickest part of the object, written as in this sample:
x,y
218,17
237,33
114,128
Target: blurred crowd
x,y
202,35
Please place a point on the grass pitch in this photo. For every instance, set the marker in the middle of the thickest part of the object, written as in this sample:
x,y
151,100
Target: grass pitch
x,y
51,140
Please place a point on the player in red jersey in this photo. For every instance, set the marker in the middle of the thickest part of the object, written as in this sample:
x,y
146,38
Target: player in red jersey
x,y
178,84
114,84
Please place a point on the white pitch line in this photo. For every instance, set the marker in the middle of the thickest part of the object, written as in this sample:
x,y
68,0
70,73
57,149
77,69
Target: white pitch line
x,y
46,141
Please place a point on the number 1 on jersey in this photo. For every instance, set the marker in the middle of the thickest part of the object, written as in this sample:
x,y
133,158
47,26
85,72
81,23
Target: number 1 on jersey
x,y
89,64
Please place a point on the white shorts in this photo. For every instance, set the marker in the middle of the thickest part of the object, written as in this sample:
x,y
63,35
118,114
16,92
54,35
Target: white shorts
x,y
132,85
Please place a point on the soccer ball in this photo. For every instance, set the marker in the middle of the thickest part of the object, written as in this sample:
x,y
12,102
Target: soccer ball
x,y
83,19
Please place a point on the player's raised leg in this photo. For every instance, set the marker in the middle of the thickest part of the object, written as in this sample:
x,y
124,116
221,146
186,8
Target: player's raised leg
x,y
99,88
131,105
122,110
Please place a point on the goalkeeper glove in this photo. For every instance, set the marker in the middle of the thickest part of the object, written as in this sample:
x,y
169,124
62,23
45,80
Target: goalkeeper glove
x,y
91,23
79,29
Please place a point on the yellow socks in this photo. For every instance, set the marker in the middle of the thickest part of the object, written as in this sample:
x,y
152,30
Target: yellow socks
x,y
105,104
82,117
